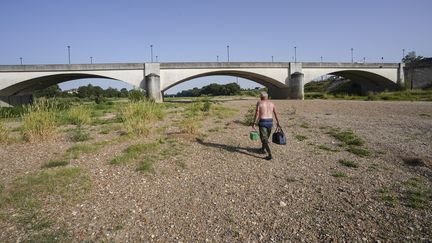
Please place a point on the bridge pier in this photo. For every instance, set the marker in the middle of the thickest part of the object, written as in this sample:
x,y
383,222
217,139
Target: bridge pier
x,y
296,86
152,87
14,100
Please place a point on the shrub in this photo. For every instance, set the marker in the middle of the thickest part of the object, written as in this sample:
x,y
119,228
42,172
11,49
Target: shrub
x,y
190,126
78,135
55,163
250,114
136,95
347,137
4,133
39,121
138,116
79,115
206,106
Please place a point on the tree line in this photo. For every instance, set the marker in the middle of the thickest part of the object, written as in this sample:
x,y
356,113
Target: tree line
x,y
212,90
88,91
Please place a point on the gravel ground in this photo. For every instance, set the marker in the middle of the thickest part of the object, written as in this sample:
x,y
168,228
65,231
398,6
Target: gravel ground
x,y
226,191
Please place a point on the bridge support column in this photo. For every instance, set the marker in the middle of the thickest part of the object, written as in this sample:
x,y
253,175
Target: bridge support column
x,y
278,93
14,100
152,87
296,87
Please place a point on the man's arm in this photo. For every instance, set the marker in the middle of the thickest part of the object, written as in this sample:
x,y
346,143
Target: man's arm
x,y
256,115
276,115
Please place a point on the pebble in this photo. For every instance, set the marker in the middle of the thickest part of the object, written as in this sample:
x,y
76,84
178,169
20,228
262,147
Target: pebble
x,y
282,204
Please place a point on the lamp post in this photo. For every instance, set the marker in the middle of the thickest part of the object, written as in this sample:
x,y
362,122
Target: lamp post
x,y
352,55
69,53
21,60
91,60
364,59
157,59
382,60
321,59
228,57
151,53
272,59
217,58
295,53
403,54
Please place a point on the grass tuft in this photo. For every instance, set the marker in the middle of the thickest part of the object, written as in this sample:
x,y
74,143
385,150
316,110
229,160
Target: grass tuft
x,y
133,152
39,121
347,137
348,163
55,163
300,137
138,116
79,115
79,135
4,133
358,151
417,194
338,174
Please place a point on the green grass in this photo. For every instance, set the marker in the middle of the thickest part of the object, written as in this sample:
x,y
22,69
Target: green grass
x,y
249,116
304,125
407,95
348,163
190,125
28,194
361,152
4,133
300,137
55,163
146,165
326,148
76,150
138,116
135,151
388,196
79,135
39,121
79,115
338,174
347,137
222,112
417,194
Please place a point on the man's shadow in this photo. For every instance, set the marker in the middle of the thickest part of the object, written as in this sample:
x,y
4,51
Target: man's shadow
x,y
233,149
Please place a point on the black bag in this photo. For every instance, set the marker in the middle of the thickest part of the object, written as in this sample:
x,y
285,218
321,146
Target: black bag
x,y
279,136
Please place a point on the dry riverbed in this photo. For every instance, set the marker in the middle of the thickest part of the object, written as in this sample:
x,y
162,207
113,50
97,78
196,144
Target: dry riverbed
x,y
215,186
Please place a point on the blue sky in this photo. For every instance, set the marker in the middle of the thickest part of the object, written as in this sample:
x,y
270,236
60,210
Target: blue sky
x,y
193,30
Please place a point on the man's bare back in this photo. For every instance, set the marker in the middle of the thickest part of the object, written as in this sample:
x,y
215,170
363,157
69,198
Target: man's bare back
x,y
265,109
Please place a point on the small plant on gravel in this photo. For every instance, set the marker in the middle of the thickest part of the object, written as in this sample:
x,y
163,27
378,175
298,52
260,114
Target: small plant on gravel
x,y
300,137
326,148
221,112
338,174
348,163
146,165
39,121
206,106
138,116
79,135
134,152
388,196
55,163
304,125
358,151
347,137
79,115
417,193
76,150
190,126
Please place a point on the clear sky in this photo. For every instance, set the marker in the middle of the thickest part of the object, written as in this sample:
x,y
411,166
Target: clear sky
x,y
199,30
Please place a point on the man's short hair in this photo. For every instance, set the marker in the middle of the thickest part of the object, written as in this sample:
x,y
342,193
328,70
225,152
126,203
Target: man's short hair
x,y
264,94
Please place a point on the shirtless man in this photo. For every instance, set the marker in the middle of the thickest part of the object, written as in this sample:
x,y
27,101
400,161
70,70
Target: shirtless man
x,y
264,111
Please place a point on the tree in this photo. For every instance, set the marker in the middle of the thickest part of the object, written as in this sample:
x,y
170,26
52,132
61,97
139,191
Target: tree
x,y
51,91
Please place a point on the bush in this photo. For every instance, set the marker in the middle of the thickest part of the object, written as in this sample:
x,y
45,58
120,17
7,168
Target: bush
x,y
136,95
190,126
78,135
11,112
39,121
138,116
79,115
4,133
250,114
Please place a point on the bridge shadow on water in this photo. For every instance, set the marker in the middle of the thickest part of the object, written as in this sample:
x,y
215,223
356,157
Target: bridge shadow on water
x,y
233,149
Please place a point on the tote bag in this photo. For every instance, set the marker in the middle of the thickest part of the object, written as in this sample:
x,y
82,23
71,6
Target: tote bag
x,y
279,136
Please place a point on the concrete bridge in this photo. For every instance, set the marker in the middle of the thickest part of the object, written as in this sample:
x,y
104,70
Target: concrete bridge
x,y
284,80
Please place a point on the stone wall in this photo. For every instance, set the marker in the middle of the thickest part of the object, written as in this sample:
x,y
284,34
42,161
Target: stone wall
x,y
420,75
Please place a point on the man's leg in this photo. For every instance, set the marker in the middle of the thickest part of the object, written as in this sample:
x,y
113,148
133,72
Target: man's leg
x,y
265,133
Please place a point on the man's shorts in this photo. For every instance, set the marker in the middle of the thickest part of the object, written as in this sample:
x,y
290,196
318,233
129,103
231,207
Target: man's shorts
x,y
265,127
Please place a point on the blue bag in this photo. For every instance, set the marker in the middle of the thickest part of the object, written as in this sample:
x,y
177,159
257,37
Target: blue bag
x,y
279,136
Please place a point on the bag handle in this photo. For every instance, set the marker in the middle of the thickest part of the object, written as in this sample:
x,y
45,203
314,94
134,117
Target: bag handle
x,y
279,128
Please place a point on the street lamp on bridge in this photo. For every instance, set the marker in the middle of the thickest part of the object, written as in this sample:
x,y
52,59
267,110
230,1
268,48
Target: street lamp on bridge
x,y
272,59
228,57
151,53
217,58
91,60
21,60
352,55
403,54
295,53
68,47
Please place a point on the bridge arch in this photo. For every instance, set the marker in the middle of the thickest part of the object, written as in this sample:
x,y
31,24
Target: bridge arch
x,y
255,77
367,80
28,86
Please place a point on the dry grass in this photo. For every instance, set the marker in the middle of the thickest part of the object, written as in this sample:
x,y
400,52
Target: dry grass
x,y
39,122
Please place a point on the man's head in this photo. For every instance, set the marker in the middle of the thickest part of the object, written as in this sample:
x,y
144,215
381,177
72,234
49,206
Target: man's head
x,y
263,95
